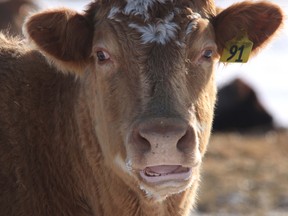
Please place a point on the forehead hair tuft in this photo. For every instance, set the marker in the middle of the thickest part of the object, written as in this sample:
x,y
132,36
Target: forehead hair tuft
x,y
160,32
158,21
140,7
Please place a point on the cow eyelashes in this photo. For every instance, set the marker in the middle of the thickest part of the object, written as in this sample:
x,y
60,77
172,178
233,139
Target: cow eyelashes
x,y
102,56
207,54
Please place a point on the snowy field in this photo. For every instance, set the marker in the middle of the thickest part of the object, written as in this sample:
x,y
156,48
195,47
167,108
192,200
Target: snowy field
x,y
267,72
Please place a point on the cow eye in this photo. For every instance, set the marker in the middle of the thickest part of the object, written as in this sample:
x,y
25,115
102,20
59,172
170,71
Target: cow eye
x,y
102,56
207,54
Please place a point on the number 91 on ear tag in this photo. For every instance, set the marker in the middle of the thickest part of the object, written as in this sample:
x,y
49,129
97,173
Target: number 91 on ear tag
x,y
237,51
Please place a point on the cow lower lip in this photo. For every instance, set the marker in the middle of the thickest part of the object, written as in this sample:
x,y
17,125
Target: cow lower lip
x,y
164,173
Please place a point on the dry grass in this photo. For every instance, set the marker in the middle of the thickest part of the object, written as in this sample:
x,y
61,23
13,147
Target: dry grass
x,y
245,175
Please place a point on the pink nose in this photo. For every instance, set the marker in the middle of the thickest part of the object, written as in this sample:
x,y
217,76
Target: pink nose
x,y
161,134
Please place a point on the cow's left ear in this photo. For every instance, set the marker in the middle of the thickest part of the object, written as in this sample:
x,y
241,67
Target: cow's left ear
x,y
258,20
64,36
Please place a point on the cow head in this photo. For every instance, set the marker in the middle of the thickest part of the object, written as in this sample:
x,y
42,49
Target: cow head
x,y
147,72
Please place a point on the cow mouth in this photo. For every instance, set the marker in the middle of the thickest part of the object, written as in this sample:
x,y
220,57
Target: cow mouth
x,y
164,173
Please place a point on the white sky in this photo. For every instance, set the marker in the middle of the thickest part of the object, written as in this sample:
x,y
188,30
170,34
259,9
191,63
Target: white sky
x,y
267,72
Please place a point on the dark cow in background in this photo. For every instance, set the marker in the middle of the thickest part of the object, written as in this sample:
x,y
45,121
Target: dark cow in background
x,y
13,13
239,109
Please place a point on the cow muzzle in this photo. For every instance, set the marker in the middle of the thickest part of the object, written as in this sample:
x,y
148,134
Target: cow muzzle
x,y
163,150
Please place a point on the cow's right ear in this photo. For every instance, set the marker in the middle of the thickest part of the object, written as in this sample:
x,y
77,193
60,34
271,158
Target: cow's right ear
x,y
64,36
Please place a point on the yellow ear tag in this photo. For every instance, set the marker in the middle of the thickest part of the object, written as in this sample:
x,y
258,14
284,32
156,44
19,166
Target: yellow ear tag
x,y
237,51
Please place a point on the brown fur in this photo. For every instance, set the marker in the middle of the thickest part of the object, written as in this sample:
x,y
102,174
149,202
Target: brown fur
x,y
56,39
65,138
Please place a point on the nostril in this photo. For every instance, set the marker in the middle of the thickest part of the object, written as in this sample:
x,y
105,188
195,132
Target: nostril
x,y
186,142
143,145
162,135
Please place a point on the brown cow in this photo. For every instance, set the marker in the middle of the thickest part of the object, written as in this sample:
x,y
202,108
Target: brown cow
x,y
239,109
122,126
13,13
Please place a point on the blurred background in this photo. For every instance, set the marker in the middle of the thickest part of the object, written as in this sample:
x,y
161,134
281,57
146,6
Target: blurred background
x,y
245,170
266,72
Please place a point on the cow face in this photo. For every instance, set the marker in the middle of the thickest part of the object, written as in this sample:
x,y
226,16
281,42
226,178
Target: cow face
x,y
146,68
151,83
